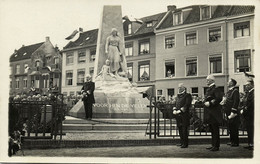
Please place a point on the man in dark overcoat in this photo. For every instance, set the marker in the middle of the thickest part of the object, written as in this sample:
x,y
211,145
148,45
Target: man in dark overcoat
x,y
88,96
248,113
212,112
183,103
231,110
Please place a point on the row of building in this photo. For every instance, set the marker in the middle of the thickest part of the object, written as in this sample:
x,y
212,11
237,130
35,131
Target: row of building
x,y
181,45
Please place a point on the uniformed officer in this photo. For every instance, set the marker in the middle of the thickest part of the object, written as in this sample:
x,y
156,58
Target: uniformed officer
x,y
212,110
183,103
248,113
231,111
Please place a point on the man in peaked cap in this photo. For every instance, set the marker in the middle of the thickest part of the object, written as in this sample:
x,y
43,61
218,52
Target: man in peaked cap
x,y
212,112
231,110
88,96
183,103
248,113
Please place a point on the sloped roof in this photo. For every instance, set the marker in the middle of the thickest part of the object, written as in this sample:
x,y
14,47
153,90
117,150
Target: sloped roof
x,y
85,38
194,15
24,52
153,18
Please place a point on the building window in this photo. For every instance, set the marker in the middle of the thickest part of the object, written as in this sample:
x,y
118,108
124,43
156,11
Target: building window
x,y
159,94
69,58
91,71
81,75
65,93
215,64
69,77
130,71
241,29
242,61
195,91
72,93
215,34
81,57
17,69
205,13
170,94
178,18
11,83
129,49
37,82
191,38
170,68
25,82
26,67
144,47
169,42
149,24
17,83
37,63
129,31
191,66
92,55
144,72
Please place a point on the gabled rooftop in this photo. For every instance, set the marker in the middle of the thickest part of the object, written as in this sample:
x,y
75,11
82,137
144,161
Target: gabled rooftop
x,y
24,52
194,14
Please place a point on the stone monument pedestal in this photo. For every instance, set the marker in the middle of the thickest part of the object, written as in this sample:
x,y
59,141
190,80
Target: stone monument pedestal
x,y
116,99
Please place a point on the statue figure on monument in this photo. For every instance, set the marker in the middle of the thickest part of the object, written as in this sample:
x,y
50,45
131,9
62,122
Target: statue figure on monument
x,y
105,73
113,52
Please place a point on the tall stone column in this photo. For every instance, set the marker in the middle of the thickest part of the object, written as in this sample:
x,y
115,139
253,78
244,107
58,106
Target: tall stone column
x,y
111,18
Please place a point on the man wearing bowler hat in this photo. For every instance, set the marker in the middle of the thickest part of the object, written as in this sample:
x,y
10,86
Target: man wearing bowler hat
x,y
212,110
231,109
88,96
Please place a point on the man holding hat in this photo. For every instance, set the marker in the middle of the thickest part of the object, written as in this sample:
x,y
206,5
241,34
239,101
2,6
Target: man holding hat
x,y
88,96
183,103
248,113
231,110
212,112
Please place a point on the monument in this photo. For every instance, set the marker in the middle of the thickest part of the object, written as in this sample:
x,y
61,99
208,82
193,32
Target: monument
x,y
115,96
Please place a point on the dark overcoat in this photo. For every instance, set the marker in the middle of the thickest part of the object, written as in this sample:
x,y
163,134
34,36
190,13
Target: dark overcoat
x,y
183,100
232,101
249,108
89,86
213,114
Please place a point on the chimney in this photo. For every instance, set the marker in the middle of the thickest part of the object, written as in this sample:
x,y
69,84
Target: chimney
x,y
47,38
80,30
171,8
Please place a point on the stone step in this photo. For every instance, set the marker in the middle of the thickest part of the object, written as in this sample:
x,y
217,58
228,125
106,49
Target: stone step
x,y
73,120
110,127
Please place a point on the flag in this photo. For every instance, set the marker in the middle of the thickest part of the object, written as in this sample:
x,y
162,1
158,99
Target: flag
x,y
72,35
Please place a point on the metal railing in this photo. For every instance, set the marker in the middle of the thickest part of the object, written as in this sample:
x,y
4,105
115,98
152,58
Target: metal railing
x,y
37,119
162,122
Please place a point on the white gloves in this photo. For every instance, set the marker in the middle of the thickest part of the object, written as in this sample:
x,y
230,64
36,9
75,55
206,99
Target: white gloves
x,y
232,115
176,112
207,104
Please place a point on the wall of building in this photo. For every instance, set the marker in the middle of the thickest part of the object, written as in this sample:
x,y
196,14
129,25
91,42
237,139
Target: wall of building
x,y
74,67
181,51
22,74
241,43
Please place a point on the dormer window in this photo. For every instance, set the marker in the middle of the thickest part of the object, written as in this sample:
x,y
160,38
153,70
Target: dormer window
x,y
177,18
205,13
129,29
149,24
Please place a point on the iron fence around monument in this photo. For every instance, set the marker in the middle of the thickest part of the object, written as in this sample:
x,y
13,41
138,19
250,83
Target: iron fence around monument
x,y
37,119
162,122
